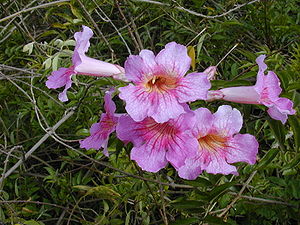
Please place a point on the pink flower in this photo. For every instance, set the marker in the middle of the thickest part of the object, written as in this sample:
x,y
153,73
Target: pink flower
x,y
100,131
156,144
82,64
266,92
219,143
160,89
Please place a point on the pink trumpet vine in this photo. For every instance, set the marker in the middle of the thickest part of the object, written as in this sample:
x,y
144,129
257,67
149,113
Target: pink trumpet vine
x,y
266,92
84,65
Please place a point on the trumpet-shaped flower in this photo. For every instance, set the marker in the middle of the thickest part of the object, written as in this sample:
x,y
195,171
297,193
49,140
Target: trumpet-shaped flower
x,y
160,90
266,91
156,144
82,64
219,143
100,131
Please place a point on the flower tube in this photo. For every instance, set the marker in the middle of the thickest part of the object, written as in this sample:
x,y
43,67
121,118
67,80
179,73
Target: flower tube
x,y
82,64
266,92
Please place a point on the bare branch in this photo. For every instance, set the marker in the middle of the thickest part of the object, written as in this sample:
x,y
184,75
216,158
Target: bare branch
x,y
35,147
32,8
195,13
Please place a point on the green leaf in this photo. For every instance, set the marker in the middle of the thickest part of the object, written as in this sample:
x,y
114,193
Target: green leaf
x,y
76,12
294,86
199,182
127,219
83,132
226,83
184,221
289,172
295,124
2,215
189,205
55,62
28,48
267,158
69,43
32,222
99,191
221,189
293,163
47,63
278,130
214,220
199,45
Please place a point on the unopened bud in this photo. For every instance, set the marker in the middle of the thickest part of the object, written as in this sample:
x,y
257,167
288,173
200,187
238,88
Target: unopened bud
x,y
211,72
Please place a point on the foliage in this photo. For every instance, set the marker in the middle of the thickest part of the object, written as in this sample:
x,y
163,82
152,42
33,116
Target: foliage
x,y
63,184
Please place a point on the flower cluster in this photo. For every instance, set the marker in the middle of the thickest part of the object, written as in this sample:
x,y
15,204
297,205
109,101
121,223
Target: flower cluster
x,y
159,122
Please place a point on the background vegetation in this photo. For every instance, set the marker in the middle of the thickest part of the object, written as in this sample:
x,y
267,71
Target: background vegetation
x,y
62,184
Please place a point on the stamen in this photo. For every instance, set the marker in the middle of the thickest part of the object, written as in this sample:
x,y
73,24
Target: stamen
x,y
153,80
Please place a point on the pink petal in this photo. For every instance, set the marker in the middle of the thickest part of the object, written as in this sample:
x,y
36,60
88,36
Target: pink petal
x,y
167,107
109,105
100,131
59,78
285,105
129,131
82,39
63,95
272,82
181,147
138,102
193,87
242,148
260,62
174,60
261,73
190,170
182,144
276,114
148,60
281,108
148,158
227,121
185,121
269,89
218,165
202,128
139,67
141,104
212,162
97,138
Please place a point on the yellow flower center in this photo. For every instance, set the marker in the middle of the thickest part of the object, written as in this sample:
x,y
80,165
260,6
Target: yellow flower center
x,y
211,142
160,84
